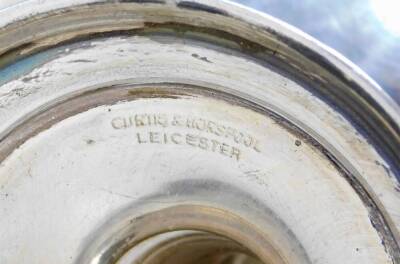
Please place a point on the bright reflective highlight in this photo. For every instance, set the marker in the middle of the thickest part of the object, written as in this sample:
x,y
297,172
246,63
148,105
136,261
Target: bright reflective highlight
x,y
387,12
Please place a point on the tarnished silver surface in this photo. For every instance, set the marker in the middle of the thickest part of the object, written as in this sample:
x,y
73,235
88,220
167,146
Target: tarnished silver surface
x,y
151,131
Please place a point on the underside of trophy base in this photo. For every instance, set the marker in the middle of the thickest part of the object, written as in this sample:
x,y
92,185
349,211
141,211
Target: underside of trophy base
x,y
188,132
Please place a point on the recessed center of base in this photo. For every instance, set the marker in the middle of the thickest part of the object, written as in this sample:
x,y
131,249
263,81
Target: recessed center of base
x,y
189,247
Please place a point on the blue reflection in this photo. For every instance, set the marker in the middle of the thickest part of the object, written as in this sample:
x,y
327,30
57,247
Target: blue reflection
x,y
365,31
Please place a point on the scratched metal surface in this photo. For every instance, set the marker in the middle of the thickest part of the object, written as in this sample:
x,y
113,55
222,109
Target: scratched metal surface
x,y
96,172
351,27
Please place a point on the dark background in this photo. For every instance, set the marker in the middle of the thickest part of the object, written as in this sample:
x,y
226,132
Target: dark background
x,y
355,28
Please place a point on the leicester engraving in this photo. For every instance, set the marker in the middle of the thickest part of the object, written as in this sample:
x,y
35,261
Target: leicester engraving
x,y
202,137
